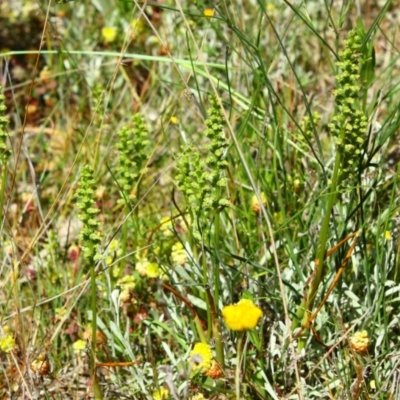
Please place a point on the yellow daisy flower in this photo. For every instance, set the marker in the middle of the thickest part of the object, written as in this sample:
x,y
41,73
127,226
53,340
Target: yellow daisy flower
x,y
360,341
154,271
161,394
79,346
7,343
201,357
255,204
109,33
208,12
198,396
178,254
173,120
242,316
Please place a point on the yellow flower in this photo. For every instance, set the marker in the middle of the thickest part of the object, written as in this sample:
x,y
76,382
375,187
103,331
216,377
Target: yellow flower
x,y
141,266
242,316
7,343
255,204
60,313
151,270
278,218
208,12
166,226
154,271
161,394
173,120
360,341
178,254
198,396
109,33
114,250
137,25
201,357
126,284
169,225
79,346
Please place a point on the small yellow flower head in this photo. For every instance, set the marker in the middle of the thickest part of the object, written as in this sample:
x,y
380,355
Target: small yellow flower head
x,y
166,226
114,251
7,343
255,204
150,270
60,313
154,271
137,25
215,371
161,394
141,266
198,396
278,218
208,12
45,74
79,346
201,357
174,120
360,341
388,236
109,33
127,282
242,316
178,254
41,365
127,285
169,225
372,384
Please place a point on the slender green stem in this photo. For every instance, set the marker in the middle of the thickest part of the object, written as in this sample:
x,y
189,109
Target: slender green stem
x,y
94,318
219,348
3,186
216,331
238,363
123,243
200,330
96,387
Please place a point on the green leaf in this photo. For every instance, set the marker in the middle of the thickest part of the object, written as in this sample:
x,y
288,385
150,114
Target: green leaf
x,y
367,72
368,62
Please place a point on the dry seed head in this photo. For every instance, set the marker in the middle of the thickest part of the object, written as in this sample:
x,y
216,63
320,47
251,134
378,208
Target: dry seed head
x,y
41,365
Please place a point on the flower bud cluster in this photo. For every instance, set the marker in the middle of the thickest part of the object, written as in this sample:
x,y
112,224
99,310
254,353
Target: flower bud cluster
x,y
349,125
202,182
132,148
89,235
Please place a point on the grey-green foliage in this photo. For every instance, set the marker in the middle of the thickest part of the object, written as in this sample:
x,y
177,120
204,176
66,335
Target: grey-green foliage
x,y
349,124
90,235
132,146
203,181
